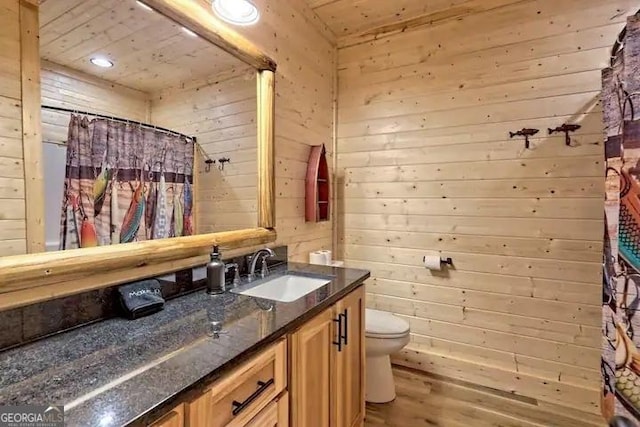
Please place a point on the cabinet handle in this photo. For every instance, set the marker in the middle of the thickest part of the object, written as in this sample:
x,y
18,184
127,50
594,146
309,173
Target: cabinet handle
x,y
346,326
339,342
240,406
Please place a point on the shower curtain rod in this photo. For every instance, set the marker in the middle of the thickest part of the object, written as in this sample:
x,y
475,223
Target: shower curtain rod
x,y
208,160
118,119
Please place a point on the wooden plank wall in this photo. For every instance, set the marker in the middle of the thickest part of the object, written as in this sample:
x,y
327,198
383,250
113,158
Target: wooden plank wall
x,y
304,49
221,112
67,88
13,238
427,164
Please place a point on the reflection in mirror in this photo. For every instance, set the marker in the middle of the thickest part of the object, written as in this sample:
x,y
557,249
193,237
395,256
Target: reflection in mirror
x,y
137,114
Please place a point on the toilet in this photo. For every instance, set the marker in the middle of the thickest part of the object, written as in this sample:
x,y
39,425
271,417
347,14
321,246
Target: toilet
x,y
385,334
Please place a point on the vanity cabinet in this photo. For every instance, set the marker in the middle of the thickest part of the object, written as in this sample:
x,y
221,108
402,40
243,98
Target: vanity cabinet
x,y
327,367
314,377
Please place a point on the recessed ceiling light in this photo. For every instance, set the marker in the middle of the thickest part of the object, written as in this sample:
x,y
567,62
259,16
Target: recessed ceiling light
x,y
238,12
143,5
188,31
101,62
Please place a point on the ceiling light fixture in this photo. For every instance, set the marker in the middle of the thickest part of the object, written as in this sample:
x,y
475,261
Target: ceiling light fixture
x,y
143,5
101,62
238,12
188,31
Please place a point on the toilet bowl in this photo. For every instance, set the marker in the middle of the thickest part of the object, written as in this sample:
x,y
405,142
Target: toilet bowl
x,y
385,334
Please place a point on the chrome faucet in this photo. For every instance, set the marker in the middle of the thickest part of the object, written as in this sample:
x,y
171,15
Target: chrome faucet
x,y
236,269
253,260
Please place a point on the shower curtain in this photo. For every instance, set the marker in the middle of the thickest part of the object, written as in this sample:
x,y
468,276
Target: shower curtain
x,y
621,267
124,183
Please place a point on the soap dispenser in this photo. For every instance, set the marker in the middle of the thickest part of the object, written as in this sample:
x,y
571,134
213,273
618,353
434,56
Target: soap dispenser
x,y
215,273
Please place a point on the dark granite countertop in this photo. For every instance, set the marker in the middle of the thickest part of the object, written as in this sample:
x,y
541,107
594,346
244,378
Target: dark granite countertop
x,y
129,372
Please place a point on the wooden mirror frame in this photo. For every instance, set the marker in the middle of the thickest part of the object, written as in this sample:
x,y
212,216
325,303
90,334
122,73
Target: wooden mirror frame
x,y
26,279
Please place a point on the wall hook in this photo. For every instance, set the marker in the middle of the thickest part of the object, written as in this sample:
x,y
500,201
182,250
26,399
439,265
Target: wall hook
x,y
566,128
526,132
208,164
222,161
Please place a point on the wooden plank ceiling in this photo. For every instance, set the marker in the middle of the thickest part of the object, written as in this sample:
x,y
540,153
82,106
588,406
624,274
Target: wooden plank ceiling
x,y
149,51
365,17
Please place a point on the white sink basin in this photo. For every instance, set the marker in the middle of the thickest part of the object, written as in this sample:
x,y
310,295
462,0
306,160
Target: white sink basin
x,y
286,288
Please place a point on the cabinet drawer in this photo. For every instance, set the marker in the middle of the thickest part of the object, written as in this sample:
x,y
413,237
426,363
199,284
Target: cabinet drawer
x,y
276,414
175,418
242,394
268,417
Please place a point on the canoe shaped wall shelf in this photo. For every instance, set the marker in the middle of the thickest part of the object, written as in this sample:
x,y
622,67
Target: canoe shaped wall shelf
x,y
317,186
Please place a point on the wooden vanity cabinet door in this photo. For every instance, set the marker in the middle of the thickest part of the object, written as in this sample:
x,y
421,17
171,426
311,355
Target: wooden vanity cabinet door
x,y
312,352
175,418
348,389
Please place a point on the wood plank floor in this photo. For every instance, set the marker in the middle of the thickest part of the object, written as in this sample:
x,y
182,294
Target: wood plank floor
x,y
430,401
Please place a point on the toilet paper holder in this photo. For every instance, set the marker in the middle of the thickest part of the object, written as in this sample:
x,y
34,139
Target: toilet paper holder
x,y
431,264
448,261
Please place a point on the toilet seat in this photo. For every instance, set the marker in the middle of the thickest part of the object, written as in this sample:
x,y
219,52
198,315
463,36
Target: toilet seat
x,y
380,324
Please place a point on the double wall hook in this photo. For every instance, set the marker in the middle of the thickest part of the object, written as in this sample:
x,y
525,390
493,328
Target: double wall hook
x,y
566,128
222,161
208,164
526,132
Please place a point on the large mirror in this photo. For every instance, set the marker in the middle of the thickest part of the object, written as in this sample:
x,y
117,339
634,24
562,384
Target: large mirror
x,y
140,133
149,130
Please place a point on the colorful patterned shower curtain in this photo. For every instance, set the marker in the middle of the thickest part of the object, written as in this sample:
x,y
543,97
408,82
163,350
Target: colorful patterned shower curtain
x,y
621,275
125,183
